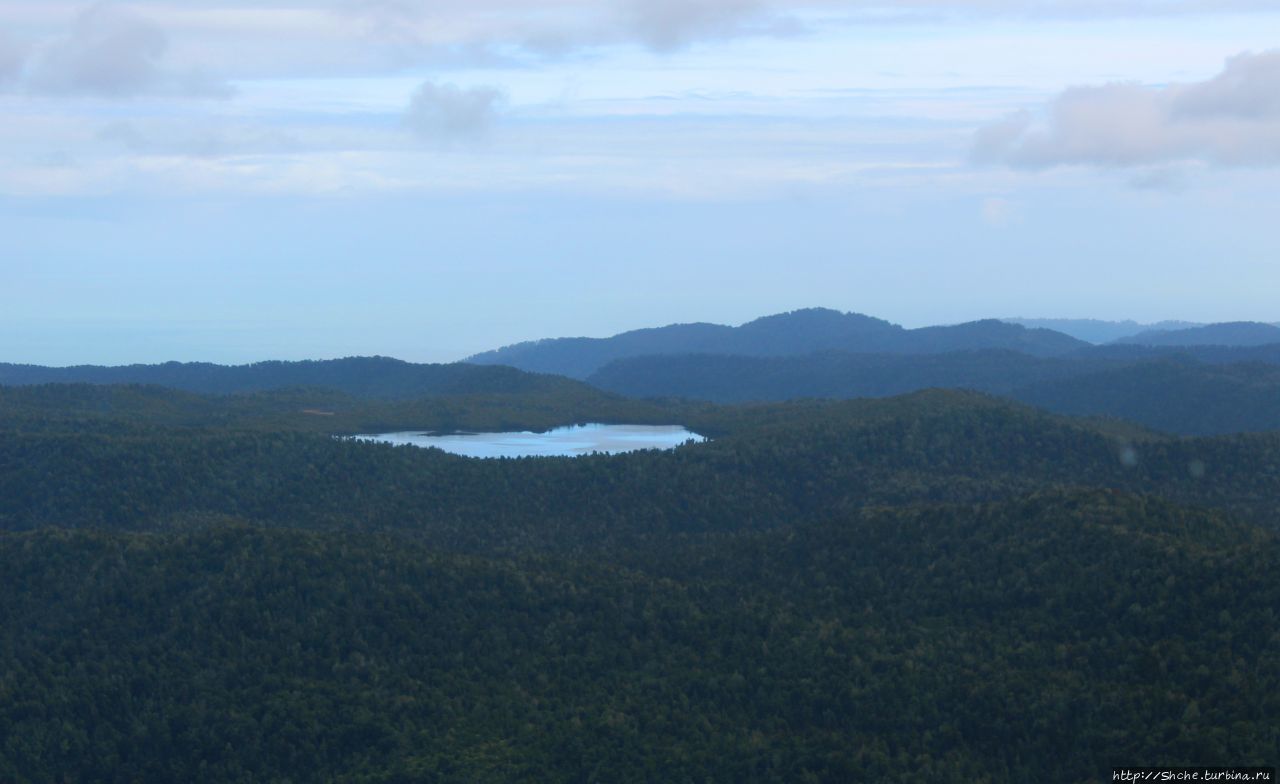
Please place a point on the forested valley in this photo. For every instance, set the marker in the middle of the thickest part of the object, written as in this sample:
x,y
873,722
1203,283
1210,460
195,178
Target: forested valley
x,y
941,586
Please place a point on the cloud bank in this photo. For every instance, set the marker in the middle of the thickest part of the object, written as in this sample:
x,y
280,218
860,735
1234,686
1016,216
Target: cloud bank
x,y
1232,119
112,50
109,52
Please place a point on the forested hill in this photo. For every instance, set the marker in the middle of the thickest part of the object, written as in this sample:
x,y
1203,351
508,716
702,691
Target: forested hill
x,y
365,377
767,465
1174,393
1174,396
798,332
72,408
1211,355
1239,333
736,379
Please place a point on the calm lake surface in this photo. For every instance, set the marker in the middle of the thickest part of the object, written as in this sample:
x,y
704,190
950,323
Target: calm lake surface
x,y
561,442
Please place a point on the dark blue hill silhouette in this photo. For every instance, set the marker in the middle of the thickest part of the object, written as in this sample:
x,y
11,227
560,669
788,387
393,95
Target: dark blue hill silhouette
x,y
364,377
1210,355
1176,393
796,333
835,375
1236,333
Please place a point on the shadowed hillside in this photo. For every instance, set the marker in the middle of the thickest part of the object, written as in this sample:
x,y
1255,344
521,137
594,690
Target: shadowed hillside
x,y
1171,392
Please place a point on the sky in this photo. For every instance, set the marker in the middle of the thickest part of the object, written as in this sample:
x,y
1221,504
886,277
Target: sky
x,y
233,181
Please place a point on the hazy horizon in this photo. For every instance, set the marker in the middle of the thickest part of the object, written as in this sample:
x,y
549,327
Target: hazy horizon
x,y
250,359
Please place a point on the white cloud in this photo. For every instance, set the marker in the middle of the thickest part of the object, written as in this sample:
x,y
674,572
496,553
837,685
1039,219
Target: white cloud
x,y
107,52
1247,89
1232,119
115,53
448,113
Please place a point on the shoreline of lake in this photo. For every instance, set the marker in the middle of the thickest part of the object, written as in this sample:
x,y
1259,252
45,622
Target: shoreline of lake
x,y
569,441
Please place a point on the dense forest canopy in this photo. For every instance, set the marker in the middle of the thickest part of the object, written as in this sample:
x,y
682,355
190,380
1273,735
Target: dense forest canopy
x,y
957,643
943,585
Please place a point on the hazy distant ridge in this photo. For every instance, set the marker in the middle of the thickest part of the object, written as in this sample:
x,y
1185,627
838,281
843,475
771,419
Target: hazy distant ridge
x,y
1237,333
798,332
1100,331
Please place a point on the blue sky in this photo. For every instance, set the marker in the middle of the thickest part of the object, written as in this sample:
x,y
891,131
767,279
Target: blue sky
x,y
234,181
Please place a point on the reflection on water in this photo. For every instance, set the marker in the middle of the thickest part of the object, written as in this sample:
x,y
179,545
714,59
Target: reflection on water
x,y
561,442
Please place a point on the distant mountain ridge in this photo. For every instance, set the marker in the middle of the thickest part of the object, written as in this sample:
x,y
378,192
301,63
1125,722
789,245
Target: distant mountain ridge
x,y
1236,333
1100,331
829,375
784,334
362,377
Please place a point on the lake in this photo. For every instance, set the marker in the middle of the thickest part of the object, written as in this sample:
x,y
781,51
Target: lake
x,y
561,442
